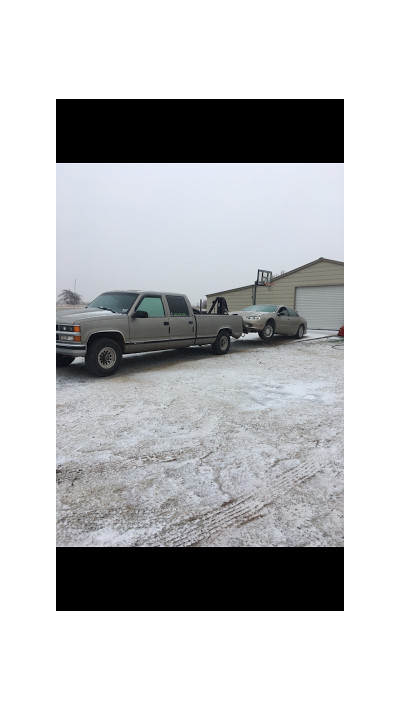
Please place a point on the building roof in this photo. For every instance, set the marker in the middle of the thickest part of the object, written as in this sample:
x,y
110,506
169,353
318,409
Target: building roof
x,y
281,276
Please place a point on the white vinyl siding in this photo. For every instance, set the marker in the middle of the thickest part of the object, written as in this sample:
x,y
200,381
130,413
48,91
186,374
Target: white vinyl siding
x,y
235,298
321,306
322,272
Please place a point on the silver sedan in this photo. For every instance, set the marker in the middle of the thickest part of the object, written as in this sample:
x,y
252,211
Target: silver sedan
x,y
268,319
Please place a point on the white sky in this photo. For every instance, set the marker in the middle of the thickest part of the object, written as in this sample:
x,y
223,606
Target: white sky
x,y
194,228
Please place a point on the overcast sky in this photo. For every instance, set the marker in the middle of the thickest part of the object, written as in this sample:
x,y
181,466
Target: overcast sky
x,y
194,228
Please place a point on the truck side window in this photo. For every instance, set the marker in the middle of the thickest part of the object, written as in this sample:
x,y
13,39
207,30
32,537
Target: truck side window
x,y
153,305
178,306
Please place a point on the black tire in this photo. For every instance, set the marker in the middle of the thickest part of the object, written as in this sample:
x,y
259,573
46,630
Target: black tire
x,y
103,357
268,331
222,343
62,361
300,332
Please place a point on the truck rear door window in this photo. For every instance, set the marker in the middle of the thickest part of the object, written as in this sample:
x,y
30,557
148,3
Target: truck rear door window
x,y
153,305
178,306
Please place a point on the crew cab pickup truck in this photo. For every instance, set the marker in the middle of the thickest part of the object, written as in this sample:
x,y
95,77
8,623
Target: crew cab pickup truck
x,y
121,322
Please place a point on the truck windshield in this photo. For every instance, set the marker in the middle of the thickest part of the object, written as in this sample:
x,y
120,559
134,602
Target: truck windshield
x,y
117,301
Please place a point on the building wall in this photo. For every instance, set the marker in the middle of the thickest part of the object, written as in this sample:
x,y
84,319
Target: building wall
x,y
235,298
320,273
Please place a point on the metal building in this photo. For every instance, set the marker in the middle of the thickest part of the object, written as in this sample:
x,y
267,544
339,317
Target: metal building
x,y
315,290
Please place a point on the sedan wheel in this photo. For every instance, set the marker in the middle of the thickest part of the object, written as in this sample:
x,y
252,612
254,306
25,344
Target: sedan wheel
x,y
267,332
300,332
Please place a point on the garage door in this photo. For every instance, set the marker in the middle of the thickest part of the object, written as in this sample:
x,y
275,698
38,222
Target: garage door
x,y
321,306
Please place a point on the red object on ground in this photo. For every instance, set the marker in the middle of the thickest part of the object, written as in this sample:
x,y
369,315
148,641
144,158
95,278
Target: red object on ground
x,y
341,331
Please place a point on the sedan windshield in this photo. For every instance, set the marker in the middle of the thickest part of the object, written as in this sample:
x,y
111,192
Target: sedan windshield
x,y
118,301
261,307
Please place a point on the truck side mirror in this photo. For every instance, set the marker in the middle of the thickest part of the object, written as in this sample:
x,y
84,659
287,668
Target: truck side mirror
x,y
140,314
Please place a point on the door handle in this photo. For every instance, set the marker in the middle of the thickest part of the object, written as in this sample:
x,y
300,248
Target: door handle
x,y
166,323
190,321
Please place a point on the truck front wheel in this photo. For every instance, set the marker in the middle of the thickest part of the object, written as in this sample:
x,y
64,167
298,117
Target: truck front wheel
x,y
222,343
103,357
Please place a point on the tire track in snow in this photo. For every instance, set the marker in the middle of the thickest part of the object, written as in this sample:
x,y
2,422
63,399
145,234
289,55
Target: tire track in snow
x,y
238,512
211,524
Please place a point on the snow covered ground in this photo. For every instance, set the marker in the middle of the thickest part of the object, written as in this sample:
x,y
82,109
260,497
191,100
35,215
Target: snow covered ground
x,y
187,449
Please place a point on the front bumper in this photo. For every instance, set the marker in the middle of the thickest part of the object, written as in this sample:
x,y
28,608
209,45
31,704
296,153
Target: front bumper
x,y
252,327
73,349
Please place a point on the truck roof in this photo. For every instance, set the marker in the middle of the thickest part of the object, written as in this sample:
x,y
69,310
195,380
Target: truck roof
x,y
144,291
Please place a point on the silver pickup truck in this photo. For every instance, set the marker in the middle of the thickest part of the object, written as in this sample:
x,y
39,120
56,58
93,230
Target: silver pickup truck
x,y
119,322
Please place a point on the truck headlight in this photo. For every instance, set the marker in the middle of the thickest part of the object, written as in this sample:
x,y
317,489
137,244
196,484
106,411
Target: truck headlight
x,y
75,332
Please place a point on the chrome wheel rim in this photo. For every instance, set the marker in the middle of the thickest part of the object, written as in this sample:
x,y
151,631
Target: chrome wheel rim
x,y
224,342
268,330
301,331
107,358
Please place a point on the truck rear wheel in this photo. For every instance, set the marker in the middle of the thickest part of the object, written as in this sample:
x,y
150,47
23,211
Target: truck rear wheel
x,y
103,357
222,343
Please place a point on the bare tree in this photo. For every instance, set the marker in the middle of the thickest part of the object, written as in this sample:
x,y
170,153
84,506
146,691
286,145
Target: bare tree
x,y
69,297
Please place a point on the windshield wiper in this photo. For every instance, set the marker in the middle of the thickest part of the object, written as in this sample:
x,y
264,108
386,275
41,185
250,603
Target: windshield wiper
x,y
106,309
